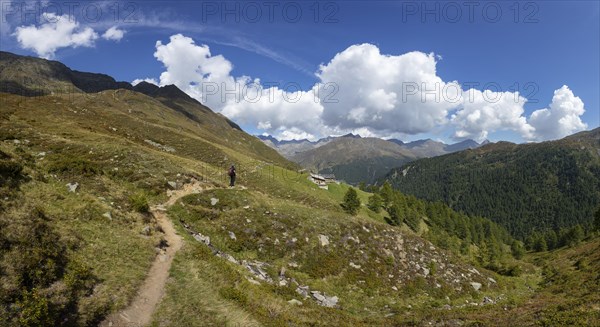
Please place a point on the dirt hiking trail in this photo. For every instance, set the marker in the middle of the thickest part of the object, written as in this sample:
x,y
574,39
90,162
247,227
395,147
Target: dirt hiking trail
x,y
139,312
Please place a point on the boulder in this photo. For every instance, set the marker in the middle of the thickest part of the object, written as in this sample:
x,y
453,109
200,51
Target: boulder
x,y
318,296
324,240
302,290
476,285
323,300
202,238
72,187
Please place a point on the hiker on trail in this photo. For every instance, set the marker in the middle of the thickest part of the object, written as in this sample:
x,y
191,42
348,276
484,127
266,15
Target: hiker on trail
x,y
231,174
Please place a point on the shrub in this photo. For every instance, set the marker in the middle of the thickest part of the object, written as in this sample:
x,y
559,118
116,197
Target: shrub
x,y
139,202
74,165
232,293
10,169
322,264
35,310
43,287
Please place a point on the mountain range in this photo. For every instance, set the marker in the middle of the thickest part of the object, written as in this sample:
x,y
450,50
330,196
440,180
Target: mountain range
x,y
355,159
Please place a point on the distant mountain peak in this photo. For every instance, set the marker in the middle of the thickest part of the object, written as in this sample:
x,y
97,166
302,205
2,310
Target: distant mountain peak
x,y
146,88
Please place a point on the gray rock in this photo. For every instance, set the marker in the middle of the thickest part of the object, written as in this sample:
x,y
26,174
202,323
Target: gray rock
x,y
492,280
330,302
232,236
294,302
202,238
214,201
302,290
324,240
355,240
146,230
227,257
256,269
107,215
353,265
318,296
72,187
488,300
172,185
323,300
476,285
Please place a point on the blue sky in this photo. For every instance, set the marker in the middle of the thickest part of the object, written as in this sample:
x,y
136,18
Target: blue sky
x,y
531,47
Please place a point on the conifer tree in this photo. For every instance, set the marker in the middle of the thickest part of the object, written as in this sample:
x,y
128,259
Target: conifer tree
x,y
375,202
351,202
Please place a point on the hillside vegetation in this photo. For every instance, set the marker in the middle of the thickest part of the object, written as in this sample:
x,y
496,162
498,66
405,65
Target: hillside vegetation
x,y
526,188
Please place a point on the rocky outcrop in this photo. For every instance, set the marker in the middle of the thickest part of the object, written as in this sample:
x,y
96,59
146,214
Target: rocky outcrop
x,y
257,270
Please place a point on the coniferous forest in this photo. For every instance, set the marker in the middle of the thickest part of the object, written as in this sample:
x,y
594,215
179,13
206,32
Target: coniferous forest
x,y
531,189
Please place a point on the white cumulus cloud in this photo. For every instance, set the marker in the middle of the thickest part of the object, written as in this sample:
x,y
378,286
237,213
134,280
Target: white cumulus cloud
x,y
194,70
562,118
385,93
363,91
113,34
287,115
207,78
484,112
56,32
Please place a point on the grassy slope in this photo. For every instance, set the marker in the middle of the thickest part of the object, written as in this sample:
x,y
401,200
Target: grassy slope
x,y
98,141
564,291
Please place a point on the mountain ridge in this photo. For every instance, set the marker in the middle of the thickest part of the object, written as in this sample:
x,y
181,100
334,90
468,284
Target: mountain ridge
x,y
357,159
